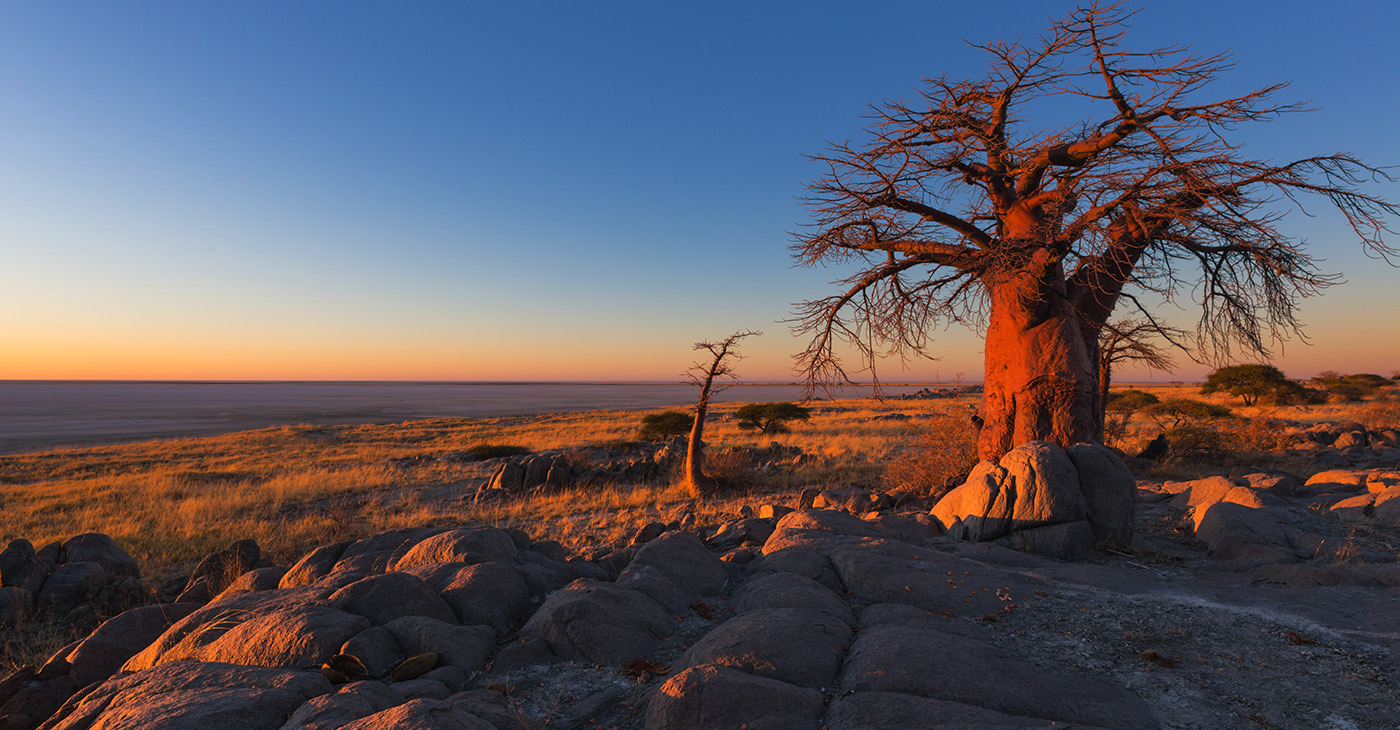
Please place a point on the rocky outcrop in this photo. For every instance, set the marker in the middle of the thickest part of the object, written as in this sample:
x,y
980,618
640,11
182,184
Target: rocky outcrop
x,y
1045,500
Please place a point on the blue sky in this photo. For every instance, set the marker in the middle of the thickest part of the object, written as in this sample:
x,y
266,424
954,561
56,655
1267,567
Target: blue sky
x,y
529,190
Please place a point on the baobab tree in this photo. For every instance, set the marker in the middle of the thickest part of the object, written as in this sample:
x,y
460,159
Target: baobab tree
x,y
712,376
962,208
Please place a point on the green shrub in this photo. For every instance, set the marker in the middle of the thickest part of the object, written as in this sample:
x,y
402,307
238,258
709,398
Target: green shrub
x,y
1129,401
1174,412
1248,382
493,451
665,425
770,417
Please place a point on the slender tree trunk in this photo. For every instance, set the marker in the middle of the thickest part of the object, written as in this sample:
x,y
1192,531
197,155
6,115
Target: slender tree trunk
x,y
1041,378
695,479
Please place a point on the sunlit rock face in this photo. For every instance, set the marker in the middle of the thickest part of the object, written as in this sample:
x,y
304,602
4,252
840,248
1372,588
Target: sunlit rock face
x,y
1045,499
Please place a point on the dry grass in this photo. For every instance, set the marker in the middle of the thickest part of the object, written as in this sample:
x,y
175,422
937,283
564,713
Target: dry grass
x,y
171,502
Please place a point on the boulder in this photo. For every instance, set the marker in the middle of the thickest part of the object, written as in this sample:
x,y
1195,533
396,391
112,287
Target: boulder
x,y
95,547
296,635
71,585
711,697
467,647
377,650
600,622
1244,535
34,701
385,597
19,568
350,703
220,569
15,605
1066,540
421,714
1110,492
685,561
851,499
468,545
121,637
883,710
790,590
313,566
799,646
194,696
492,593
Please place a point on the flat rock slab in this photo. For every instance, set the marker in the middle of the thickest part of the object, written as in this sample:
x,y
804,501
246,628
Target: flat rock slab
x,y
894,572
790,590
889,710
422,714
943,666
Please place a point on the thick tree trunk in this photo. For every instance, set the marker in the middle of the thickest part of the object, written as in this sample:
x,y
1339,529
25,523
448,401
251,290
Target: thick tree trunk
x,y
1041,378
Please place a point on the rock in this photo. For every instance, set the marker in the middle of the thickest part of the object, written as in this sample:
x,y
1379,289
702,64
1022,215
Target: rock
x,y
421,714
377,650
492,593
71,585
851,499
1336,480
95,547
121,637
710,697
468,545
522,653
544,576
1244,535
37,700
683,559
1110,492
1201,494
648,532
1035,484
750,531
313,566
194,696
1158,449
258,579
617,561
789,590
299,635
799,646
220,569
650,582
350,703
1066,541
883,710
600,623
889,658
467,647
16,604
19,568
772,511
383,598
422,688
1277,484
491,706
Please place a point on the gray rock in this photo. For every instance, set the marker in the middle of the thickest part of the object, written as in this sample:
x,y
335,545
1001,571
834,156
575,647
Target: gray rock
x,y
890,658
467,647
600,622
194,696
710,697
121,637
795,645
313,566
422,714
350,703
95,547
492,593
1244,535
15,605
377,649
790,590
884,710
650,582
468,545
71,585
383,598
522,653
1110,492
685,561
1066,541
19,568
296,635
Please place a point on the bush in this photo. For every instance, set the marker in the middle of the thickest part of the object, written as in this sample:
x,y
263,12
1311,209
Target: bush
x,y
942,451
1129,401
1350,388
665,425
1380,415
493,451
770,417
1248,382
1198,443
1174,412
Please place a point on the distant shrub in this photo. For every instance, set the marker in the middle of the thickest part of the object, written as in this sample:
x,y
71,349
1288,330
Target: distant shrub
x,y
732,467
1380,415
1129,401
1350,388
942,451
770,418
1198,443
665,425
495,451
1250,382
1174,412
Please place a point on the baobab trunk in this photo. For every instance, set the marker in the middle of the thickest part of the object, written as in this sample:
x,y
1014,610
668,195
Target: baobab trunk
x,y
1041,378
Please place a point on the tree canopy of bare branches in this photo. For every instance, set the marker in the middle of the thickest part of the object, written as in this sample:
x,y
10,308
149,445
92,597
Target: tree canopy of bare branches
x,y
711,375
963,207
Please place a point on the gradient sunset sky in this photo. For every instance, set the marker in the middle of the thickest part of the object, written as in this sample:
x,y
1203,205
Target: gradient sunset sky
x,y
535,191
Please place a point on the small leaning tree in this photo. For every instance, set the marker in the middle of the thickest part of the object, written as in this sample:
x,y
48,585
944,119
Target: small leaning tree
x,y
961,209
711,376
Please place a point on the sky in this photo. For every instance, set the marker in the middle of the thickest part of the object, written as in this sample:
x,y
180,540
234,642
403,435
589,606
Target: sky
x,y
536,191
